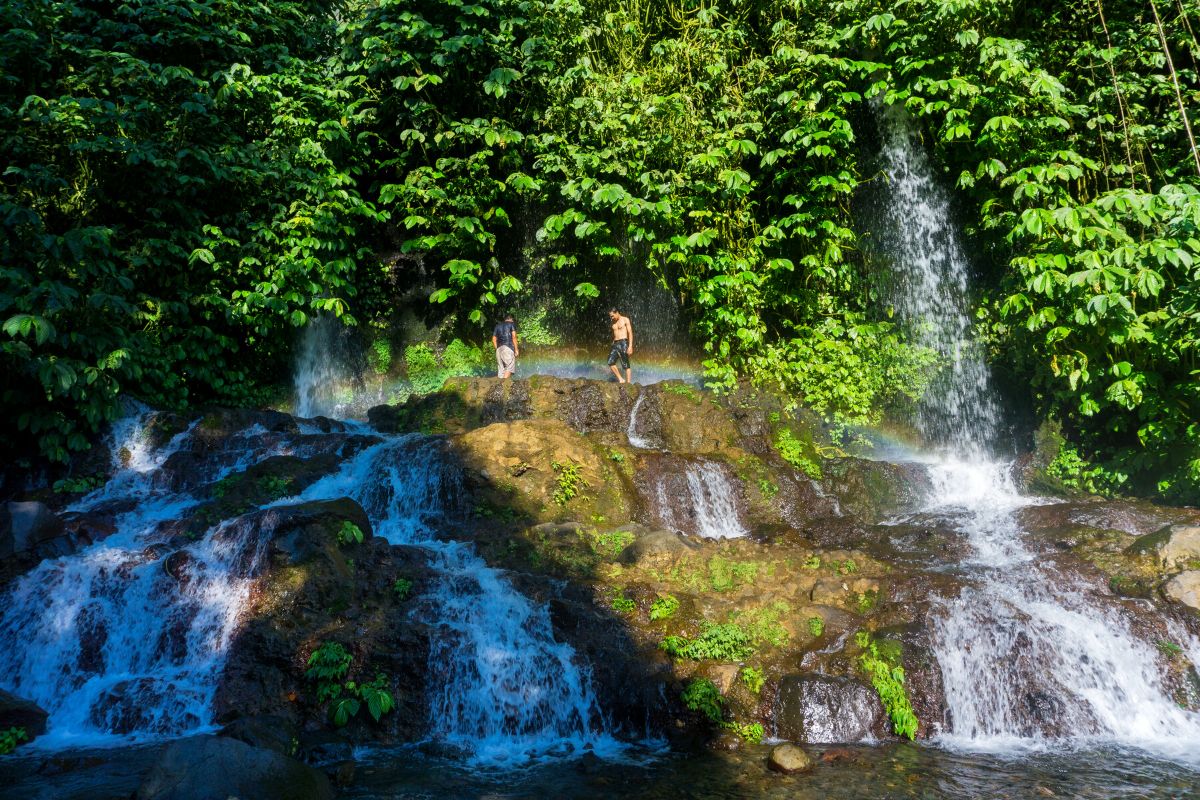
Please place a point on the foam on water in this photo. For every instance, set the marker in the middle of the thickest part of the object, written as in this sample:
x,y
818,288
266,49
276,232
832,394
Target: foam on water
x,y
1031,657
502,688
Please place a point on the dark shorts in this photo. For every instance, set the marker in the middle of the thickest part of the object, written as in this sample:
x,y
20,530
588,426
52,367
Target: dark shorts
x,y
619,352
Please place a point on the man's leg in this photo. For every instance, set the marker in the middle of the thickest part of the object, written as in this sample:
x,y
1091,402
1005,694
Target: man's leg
x,y
616,373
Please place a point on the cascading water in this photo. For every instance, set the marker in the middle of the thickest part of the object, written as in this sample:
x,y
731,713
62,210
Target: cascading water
x,y
929,291
503,688
708,508
108,640
635,438
1029,657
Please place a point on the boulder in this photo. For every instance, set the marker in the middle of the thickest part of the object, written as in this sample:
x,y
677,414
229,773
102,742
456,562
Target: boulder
x,y
29,525
875,491
819,709
656,549
206,767
788,758
267,731
16,712
1184,588
1174,546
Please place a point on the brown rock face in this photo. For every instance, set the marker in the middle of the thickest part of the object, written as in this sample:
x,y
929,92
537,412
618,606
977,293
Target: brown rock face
x,y
16,712
203,767
1184,588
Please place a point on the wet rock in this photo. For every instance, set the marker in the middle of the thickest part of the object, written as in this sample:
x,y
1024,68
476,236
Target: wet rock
x,y
700,496
204,767
656,550
178,565
1174,546
268,731
788,759
820,709
1133,517
16,712
875,491
28,526
1184,588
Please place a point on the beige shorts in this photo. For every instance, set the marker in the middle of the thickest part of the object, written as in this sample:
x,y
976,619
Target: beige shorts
x,y
506,360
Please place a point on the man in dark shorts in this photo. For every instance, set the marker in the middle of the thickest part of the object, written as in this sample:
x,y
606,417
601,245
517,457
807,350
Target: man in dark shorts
x,y
504,339
622,346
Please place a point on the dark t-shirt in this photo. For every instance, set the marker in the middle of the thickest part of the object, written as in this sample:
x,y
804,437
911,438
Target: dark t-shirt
x,y
504,334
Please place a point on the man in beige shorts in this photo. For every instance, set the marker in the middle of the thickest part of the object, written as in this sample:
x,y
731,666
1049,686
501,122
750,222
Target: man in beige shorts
x,y
508,347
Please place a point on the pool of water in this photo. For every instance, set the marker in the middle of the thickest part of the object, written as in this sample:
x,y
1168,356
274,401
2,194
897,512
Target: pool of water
x,y
892,771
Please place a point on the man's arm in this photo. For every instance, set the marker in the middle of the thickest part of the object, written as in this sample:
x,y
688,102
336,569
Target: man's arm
x,y
495,344
516,343
629,333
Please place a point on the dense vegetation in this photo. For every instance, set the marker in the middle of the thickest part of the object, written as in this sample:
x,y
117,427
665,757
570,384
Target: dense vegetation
x,y
188,182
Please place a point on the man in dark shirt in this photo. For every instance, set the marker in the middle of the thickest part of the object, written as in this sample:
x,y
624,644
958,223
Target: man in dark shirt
x,y
504,339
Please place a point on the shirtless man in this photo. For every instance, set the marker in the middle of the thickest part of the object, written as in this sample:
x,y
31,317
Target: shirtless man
x,y
622,346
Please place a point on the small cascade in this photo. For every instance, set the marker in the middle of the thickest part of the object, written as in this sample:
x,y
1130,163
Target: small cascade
x,y
502,688
703,504
322,371
128,636
1030,657
636,439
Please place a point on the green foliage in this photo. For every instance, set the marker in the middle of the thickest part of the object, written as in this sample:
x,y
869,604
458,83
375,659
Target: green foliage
x,y
721,642
847,567
617,456
181,195
1075,472
725,575
762,624
754,679
683,390
11,738
379,355
751,733
816,626
402,587
767,488
812,562
622,604
701,695
275,486
569,481
887,676
865,601
1169,649
349,533
226,484
327,667
80,485
609,545
797,453
664,607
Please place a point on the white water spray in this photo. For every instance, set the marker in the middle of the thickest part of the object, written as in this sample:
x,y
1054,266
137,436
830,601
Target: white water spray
x,y
636,439
502,688
321,370
1030,657
709,509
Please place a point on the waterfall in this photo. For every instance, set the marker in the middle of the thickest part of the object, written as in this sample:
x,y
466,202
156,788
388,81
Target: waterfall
x,y
501,687
707,508
108,641
930,292
321,368
1030,658
636,439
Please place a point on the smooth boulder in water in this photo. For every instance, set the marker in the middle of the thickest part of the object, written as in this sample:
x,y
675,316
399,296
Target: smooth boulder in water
x,y
206,767
1184,588
788,758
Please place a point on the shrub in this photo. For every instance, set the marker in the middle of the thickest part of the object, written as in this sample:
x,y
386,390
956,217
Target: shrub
x,y
664,607
702,695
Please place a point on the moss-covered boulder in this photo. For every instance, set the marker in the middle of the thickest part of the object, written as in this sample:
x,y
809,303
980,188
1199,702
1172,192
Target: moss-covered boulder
x,y
543,470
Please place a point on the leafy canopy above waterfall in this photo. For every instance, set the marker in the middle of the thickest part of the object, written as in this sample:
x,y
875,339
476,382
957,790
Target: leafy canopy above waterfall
x,y
188,182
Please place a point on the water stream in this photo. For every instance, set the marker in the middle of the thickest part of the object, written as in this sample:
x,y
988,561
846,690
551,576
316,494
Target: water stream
x,y
502,688
1030,658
